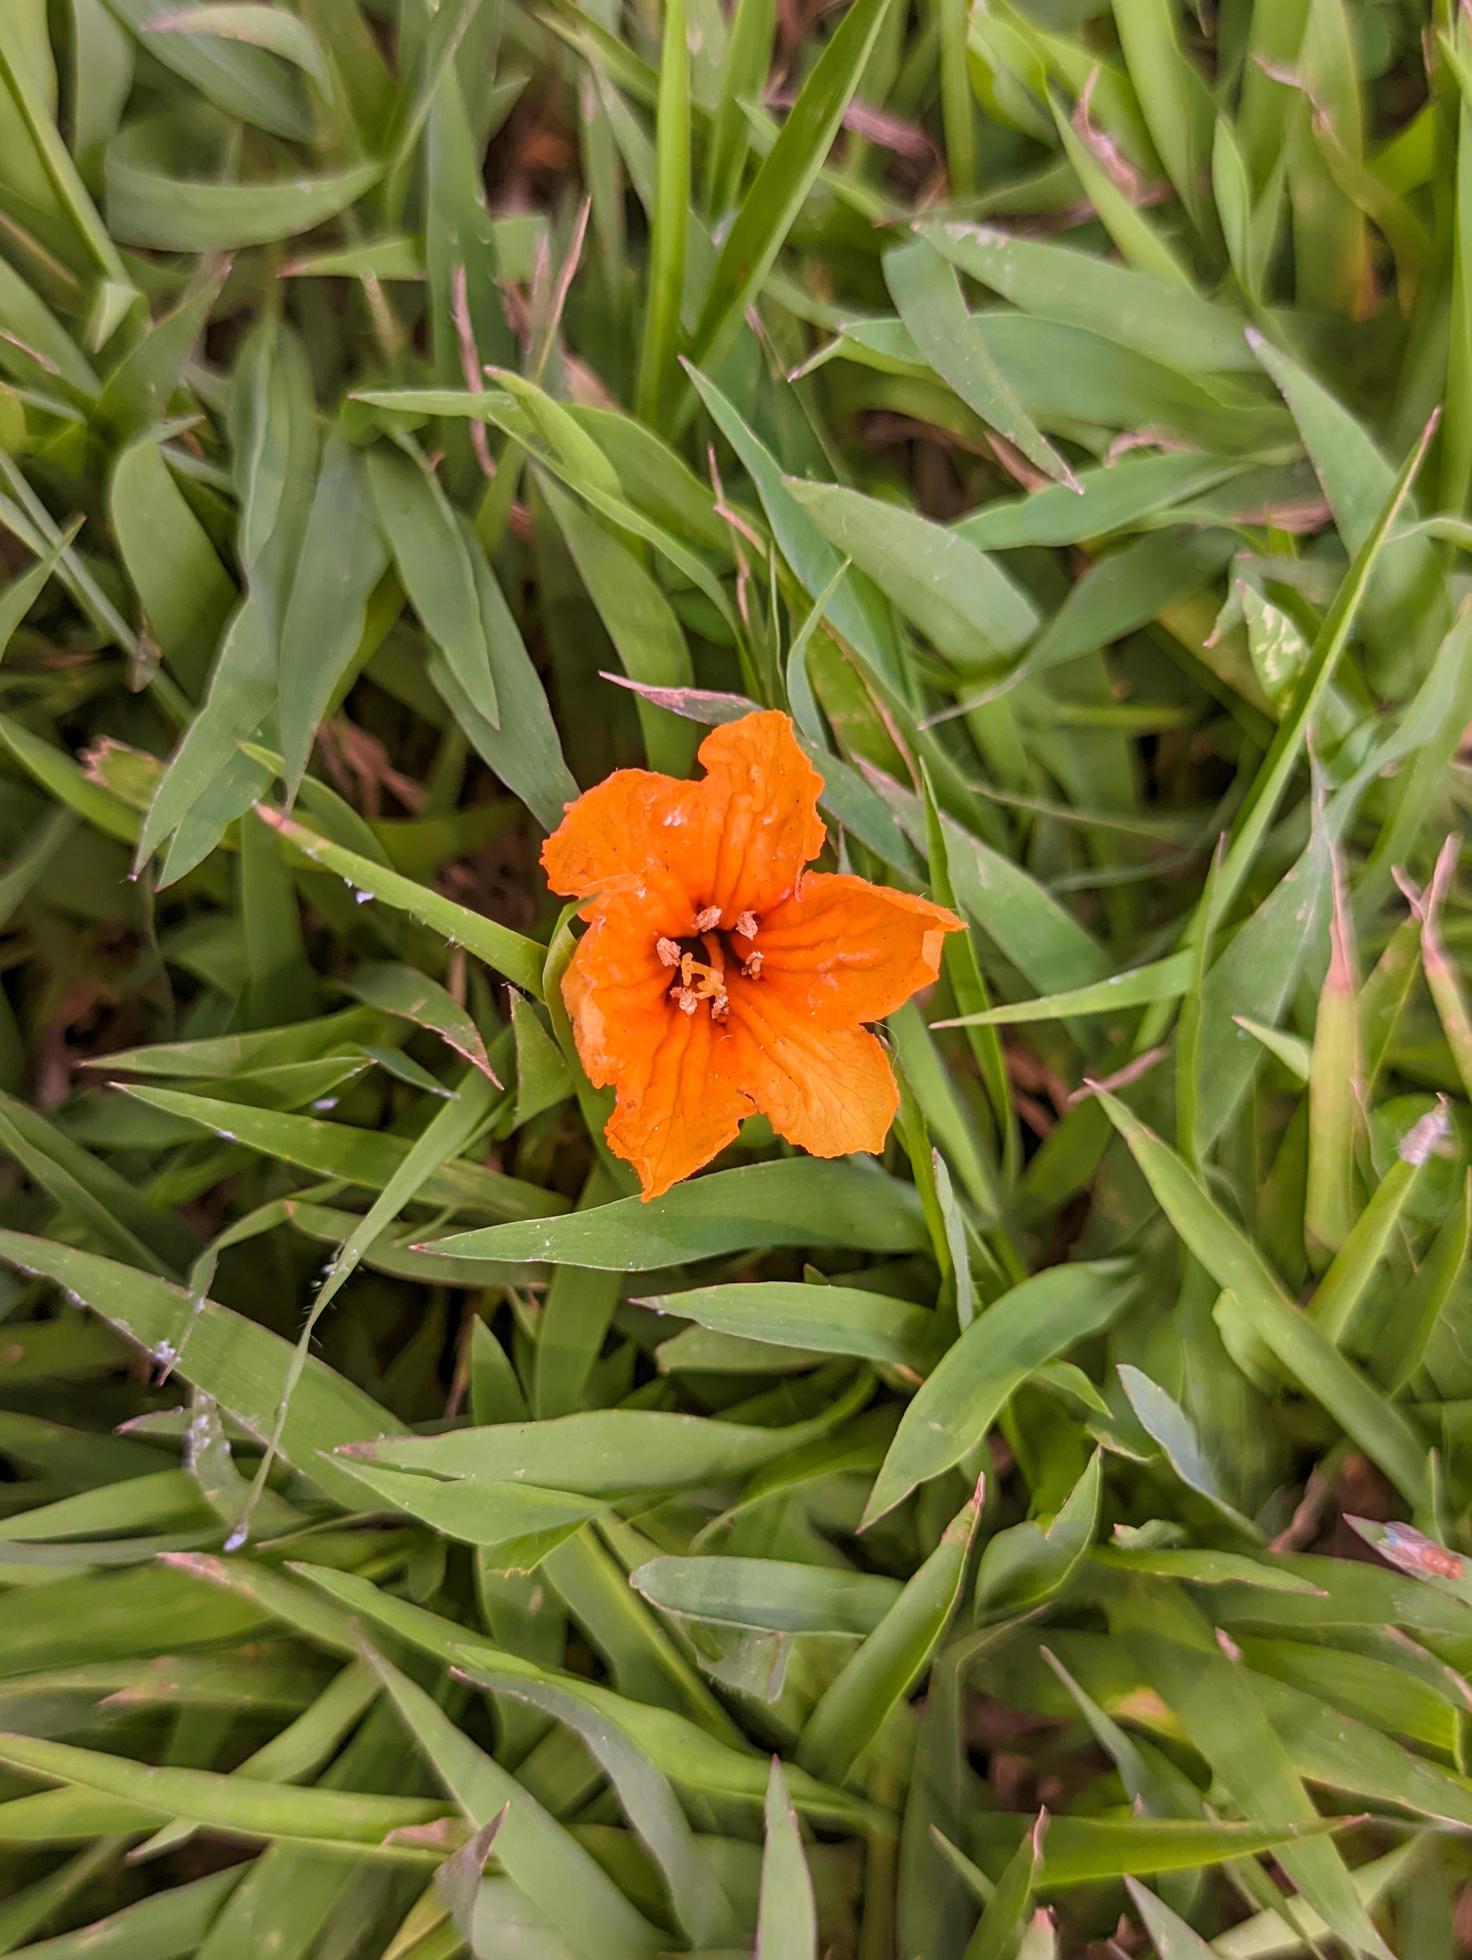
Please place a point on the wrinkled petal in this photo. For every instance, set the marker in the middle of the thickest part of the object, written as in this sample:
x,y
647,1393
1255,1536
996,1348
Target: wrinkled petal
x,y
761,796
844,950
678,1098
683,1105
828,1090
638,839
616,994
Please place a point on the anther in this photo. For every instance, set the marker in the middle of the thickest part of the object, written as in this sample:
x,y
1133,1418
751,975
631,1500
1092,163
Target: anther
x,y
746,926
668,951
753,967
708,919
685,1000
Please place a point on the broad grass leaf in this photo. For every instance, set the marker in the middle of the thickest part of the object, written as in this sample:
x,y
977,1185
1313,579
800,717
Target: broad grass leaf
x,y
508,952
1264,961
1174,99
472,1511
58,198
414,997
1089,1850
1408,1336
1169,1934
749,58
880,1672
1064,375
1381,1430
255,26
153,207
1406,609
526,752
669,219
1359,1258
140,387
1348,1594
229,1803
26,316
433,561
1279,764
1031,1562
339,1150
323,623
697,1899
927,293
655,478
590,1576
1220,1712
1136,987
1002,1921
786,1927
68,783
533,1847
960,599
113,1615
450,1129
797,1201
1113,497
1270,1932
242,80
242,1365
685,1753
767,1595
1045,942
639,620
172,1922
1125,590
91,1195
1167,1424
603,1452
1029,1326
828,1319
1141,242
788,172
579,1307
184,591
222,1056
1074,288
855,606
26,587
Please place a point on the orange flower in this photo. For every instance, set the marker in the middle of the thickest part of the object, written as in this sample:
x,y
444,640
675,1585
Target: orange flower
x,y
716,976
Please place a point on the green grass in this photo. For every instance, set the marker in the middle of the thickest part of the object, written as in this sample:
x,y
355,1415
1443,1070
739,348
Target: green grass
x,y
1055,1525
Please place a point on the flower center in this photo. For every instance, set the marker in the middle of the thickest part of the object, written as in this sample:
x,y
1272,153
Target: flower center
x,y
701,961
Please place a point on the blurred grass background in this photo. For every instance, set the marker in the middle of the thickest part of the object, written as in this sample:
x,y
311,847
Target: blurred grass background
x,y
1047,1541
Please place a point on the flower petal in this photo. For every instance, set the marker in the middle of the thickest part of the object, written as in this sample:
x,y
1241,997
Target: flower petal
x,y
616,993
762,795
639,837
679,1101
845,951
829,1090
683,1106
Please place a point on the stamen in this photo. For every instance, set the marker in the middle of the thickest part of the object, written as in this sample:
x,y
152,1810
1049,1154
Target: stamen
x,y
708,919
697,982
753,967
746,925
